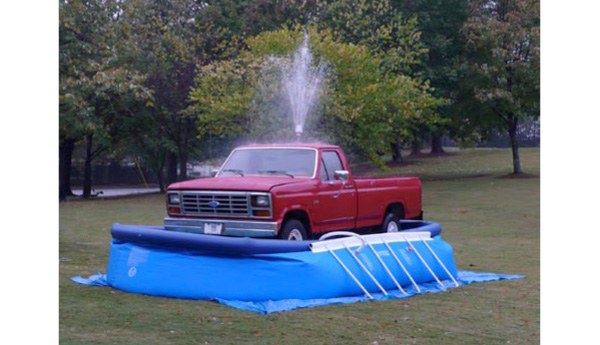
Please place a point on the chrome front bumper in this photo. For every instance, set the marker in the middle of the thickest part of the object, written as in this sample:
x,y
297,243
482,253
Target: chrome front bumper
x,y
239,228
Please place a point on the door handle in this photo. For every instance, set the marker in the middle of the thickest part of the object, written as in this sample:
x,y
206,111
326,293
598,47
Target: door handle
x,y
340,191
344,186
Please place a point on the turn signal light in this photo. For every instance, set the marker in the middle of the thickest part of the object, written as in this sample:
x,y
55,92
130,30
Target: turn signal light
x,y
261,213
174,210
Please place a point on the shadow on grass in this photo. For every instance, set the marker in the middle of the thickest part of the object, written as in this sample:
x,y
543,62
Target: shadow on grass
x,y
518,176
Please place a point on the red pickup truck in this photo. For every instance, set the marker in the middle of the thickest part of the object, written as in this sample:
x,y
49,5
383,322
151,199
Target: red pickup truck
x,y
292,191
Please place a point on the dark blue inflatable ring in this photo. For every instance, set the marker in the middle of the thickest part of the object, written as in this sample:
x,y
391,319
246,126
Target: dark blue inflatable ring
x,y
157,235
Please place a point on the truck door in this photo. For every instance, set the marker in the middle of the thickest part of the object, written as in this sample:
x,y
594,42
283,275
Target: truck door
x,y
335,203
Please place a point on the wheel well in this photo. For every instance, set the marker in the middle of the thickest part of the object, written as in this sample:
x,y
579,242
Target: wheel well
x,y
395,208
301,216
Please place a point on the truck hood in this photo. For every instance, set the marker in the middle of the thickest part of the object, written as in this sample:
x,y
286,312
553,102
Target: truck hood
x,y
243,183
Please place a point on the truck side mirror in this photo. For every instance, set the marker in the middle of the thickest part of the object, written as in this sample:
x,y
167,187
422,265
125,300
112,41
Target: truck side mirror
x,y
343,175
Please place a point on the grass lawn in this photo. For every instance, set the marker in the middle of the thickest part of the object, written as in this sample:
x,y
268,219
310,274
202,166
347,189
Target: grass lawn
x,y
491,221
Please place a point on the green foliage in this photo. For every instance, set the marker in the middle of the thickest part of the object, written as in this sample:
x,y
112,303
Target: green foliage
x,y
223,95
378,26
247,18
95,88
440,23
164,45
504,43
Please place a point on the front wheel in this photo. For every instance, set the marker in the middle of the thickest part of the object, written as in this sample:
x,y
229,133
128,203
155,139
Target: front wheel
x,y
391,223
293,230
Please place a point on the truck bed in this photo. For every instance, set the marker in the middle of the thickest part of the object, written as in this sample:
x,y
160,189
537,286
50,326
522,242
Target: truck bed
x,y
376,193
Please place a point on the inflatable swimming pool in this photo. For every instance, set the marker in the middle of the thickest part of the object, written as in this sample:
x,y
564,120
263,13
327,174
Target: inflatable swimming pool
x,y
153,261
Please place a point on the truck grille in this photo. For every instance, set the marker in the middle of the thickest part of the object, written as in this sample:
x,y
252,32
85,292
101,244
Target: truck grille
x,y
215,204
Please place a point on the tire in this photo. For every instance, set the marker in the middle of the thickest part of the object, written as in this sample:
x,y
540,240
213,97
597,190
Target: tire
x,y
293,230
390,223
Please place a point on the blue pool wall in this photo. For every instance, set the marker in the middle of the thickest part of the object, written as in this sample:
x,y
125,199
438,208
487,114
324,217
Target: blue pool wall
x,y
246,269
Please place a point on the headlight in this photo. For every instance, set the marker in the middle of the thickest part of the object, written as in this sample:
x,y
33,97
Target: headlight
x,y
261,201
173,198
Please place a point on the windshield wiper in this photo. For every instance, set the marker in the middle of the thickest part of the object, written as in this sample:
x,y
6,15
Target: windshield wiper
x,y
237,171
279,172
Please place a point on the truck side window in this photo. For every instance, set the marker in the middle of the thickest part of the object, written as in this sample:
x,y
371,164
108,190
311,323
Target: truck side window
x,y
332,163
324,175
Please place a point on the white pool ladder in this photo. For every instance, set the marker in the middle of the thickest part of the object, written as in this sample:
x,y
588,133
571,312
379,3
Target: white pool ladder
x,y
351,239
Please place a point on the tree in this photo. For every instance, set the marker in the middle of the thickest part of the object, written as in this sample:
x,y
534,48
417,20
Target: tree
x,y
165,44
503,39
95,90
395,37
440,23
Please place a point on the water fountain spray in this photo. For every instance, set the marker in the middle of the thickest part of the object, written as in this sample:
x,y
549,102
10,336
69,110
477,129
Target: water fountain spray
x,y
298,132
302,83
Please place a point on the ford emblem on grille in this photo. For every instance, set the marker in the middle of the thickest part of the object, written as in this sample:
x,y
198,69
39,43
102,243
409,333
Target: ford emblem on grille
x,y
213,203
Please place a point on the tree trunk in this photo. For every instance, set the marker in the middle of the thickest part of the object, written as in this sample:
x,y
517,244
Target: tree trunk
x,y
158,171
171,167
397,152
436,144
65,153
514,144
161,183
87,171
182,166
415,147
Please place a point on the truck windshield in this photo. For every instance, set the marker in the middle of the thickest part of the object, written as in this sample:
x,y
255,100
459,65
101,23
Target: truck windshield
x,y
271,161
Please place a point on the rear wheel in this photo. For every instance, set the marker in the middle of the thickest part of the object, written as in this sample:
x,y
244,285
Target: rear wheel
x,y
391,223
293,230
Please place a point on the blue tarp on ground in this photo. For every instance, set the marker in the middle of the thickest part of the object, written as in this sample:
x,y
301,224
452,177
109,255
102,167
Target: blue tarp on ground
x,y
266,307
267,276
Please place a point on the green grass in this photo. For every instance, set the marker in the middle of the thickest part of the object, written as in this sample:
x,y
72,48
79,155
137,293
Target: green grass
x,y
492,223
